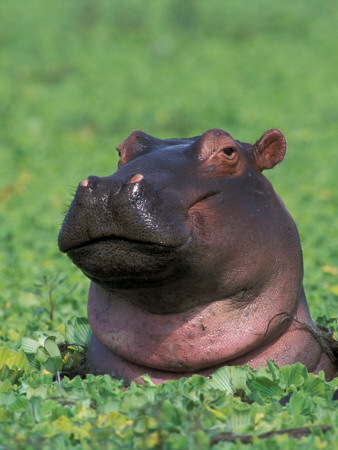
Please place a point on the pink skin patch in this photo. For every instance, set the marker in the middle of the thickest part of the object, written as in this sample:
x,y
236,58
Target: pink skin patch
x,y
84,183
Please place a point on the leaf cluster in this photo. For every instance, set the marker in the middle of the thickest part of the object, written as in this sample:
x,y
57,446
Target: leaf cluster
x,y
40,409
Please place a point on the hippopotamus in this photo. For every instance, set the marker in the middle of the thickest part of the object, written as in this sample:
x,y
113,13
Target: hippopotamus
x,y
194,261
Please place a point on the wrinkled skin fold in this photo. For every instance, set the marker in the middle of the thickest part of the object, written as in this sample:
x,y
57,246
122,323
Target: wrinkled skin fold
x,y
193,258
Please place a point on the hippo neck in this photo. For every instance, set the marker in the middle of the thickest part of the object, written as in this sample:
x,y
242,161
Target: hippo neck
x,y
204,336
295,342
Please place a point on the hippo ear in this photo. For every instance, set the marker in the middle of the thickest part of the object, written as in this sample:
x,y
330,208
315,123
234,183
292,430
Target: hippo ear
x,y
270,149
136,144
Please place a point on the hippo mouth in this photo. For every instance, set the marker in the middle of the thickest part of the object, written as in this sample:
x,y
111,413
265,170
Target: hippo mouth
x,y
118,240
122,263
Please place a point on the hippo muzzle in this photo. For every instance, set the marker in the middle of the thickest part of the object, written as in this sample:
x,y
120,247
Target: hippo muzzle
x,y
129,230
193,258
111,232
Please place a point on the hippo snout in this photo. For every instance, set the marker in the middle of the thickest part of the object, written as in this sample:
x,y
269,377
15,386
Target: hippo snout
x,y
129,209
119,231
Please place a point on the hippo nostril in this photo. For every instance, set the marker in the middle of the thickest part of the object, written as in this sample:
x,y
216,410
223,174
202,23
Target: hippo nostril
x,y
90,183
136,178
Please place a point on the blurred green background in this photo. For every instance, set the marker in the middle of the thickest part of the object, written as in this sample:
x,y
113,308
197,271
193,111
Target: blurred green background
x,y
78,76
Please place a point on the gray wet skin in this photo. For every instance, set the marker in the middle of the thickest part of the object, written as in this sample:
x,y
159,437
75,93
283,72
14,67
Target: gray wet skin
x,y
193,258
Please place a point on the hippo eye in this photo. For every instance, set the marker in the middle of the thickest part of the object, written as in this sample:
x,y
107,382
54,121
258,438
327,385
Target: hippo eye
x,y
228,151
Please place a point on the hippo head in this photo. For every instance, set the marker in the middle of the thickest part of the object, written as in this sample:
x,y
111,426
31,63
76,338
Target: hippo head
x,y
193,257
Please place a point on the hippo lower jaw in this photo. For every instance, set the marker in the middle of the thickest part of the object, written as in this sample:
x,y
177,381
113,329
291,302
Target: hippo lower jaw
x,y
119,263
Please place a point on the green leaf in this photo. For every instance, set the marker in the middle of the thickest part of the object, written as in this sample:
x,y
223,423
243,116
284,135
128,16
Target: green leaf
x,y
12,358
12,374
34,408
29,345
53,365
33,362
300,404
294,375
19,404
4,414
265,387
147,380
78,331
42,355
315,387
221,379
52,348
240,419
274,369
239,377
169,413
5,385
